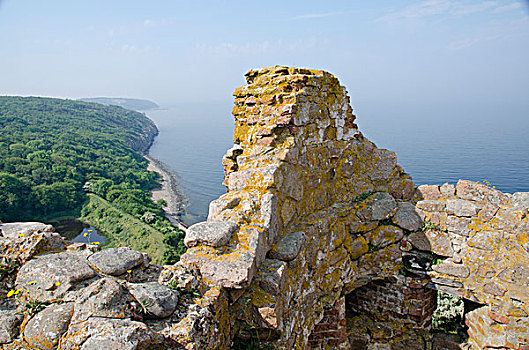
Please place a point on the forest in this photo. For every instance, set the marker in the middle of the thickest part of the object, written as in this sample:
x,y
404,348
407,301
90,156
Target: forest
x,y
55,152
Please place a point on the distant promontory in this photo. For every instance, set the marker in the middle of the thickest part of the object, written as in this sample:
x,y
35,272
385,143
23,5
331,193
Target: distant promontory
x,y
135,104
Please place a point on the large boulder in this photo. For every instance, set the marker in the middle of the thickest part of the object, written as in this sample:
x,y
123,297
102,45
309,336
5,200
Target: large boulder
x,y
116,261
49,276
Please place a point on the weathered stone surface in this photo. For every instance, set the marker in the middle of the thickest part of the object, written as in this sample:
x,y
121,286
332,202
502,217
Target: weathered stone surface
x,y
520,199
103,298
269,215
379,206
385,162
288,246
407,217
222,203
479,192
45,329
488,211
494,289
272,276
156,299
385,235
458,225
429,192
452,269
102,333
15,229
231,274
49,276
447,190
431,205
437,242
461,207
356,247
116,261
212,233
9,322
485,240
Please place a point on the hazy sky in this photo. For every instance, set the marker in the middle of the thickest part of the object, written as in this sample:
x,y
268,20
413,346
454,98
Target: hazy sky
x,y
393,56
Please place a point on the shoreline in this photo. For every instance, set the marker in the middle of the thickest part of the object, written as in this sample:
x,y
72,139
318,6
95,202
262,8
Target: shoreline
x,y
169,191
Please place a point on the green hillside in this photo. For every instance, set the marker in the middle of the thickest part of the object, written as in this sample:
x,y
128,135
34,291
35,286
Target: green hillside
x,y
53,151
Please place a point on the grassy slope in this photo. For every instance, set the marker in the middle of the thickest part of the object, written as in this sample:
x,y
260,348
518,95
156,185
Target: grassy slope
x,y
122,229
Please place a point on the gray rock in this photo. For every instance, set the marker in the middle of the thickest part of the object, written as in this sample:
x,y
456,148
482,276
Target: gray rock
x,y
231,274
212,233
50,276
434,241
14,229
431,205
288,246
103,298
272,276
379,206
452,269
479,192
460,207
116,261
448,190
385,235
521,199
9,322
98,333
429,192
45,329
218,205
407,217
156,299
269,215
384,163
457,225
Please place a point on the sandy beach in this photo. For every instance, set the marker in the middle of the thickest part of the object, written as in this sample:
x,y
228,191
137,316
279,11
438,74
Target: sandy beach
x,y
169,191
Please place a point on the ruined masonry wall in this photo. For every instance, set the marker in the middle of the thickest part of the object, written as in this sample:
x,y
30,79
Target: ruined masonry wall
x,y
321,241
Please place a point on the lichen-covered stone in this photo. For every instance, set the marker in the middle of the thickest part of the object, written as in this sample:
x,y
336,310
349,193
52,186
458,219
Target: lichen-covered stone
x,y
379,206
49,276
156,299
437,242
9,322
460,207
212,233
17,229
116,261
105,333
406,217
44,330
288,246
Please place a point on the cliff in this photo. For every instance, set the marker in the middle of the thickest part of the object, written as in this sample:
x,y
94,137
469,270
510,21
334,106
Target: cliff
x,y
321,241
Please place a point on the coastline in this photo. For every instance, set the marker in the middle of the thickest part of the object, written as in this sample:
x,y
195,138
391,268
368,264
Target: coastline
x,y
169,191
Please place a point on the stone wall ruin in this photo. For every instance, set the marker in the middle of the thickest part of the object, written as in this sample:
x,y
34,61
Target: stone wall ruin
x,y
321,241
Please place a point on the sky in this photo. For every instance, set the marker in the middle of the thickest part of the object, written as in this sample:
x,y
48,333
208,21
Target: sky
x,y
400,59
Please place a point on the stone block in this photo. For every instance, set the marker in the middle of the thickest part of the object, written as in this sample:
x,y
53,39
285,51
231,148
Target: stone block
x,y
46,328
407,217
428,192
431,205
437,242
379,206
116,261
452,269
460,207
385,235
212,233
288,246
480,192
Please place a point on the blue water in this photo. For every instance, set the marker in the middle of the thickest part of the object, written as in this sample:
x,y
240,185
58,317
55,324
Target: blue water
x,y
434,149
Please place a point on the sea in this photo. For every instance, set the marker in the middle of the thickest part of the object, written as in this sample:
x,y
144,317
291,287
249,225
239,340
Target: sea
x,y
434,147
